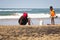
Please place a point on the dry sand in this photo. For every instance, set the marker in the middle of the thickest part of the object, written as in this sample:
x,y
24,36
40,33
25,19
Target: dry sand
x,y
46,32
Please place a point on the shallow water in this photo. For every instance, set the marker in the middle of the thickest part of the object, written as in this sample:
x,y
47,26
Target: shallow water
x,y
44,21
34,21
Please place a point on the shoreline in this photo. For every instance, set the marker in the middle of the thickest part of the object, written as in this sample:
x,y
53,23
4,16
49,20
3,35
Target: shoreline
x,y
34,21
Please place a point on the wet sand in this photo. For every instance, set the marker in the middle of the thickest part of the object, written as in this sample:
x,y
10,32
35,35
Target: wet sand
x,y
16,32
33,21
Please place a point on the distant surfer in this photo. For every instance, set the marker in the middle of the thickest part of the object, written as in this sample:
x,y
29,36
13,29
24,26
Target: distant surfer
x,y
23,20
52,15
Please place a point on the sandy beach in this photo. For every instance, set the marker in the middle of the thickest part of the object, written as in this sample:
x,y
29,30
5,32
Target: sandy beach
x,y
27,32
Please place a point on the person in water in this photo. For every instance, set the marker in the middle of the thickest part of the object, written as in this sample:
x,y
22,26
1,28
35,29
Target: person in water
x,y
52,15
23,20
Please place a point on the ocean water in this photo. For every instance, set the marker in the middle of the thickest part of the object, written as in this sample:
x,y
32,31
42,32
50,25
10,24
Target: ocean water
x,y
38,16
11,11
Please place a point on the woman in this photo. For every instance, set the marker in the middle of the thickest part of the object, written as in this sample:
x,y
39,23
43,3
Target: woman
x,y
24,20
52,15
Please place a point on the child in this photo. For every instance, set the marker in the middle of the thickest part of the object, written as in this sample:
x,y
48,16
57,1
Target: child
x,y
24,20
52,14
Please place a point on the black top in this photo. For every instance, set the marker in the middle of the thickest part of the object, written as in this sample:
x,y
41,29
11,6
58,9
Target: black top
x,y
23,20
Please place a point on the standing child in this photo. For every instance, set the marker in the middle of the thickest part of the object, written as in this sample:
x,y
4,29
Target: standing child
x,y
52,15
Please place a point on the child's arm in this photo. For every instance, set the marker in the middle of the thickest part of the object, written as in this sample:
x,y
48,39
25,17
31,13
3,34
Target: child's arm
x,y
28,21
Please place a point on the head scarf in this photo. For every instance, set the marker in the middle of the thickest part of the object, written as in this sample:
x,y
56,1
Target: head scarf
x,y
25,15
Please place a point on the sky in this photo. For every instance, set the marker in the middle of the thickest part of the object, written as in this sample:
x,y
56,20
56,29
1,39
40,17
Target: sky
x,y
29,3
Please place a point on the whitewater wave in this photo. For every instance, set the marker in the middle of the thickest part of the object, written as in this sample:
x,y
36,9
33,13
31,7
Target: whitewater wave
x,y
15,10
29,16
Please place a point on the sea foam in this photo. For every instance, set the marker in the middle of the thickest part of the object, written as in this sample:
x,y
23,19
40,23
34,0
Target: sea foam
x,y
29,16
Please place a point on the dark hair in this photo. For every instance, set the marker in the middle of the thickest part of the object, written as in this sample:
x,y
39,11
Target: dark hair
x,y
51,7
